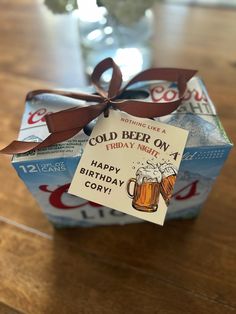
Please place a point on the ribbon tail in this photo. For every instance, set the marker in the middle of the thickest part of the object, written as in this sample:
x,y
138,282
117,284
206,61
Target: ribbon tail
x,y
62,125
70,94
20,147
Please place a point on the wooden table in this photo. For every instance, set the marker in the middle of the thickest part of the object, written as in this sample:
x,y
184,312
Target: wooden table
x,y
184,267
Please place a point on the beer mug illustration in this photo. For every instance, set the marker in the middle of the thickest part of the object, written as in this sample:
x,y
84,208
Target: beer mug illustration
x,y
169,173
146,189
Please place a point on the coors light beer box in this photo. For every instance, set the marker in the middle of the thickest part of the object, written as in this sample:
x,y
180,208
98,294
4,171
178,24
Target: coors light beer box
x,y
48,172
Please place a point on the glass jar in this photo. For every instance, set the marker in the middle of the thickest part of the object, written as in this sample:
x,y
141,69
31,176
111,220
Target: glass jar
x,y
102,36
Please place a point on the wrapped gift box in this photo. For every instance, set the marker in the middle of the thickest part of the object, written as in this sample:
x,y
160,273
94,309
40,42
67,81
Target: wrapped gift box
x,y
48,172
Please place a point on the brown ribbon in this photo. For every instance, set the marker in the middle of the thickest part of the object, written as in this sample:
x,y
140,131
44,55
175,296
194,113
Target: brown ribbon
x,y
64,124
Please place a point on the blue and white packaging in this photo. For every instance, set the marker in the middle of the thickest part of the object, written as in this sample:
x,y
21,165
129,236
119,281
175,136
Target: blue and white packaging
x,y
48,172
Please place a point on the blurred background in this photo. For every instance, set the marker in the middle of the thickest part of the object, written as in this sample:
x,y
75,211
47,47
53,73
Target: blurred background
x,y
62,40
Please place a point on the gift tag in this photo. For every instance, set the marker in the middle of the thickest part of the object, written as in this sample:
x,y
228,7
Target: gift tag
x,y
130,164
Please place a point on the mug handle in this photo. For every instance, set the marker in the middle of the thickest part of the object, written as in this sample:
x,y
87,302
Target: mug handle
x,y
128,187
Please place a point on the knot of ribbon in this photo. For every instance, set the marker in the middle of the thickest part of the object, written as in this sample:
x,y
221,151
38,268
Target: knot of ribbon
x,y
65,124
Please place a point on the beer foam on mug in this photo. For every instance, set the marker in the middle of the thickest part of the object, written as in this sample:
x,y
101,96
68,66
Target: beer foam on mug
x,y
148,174
167,170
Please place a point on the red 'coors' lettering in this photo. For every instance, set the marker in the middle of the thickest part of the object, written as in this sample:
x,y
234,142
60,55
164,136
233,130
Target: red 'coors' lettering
x,y
55,198
37,116
190,189
162,93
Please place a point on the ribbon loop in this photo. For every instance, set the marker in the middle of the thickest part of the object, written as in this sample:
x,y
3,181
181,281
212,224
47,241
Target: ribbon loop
x,y
116,78
162,74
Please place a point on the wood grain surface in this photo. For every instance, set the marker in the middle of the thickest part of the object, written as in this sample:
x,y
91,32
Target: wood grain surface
x,y
183,267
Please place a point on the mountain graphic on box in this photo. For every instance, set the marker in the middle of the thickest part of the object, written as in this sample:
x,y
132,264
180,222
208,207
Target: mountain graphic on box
x,y
201,132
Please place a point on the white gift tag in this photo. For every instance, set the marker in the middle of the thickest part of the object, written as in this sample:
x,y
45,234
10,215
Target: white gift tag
x,y
130,164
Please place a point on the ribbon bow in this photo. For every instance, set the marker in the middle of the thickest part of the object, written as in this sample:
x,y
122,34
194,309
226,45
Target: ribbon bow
x,y
65,124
